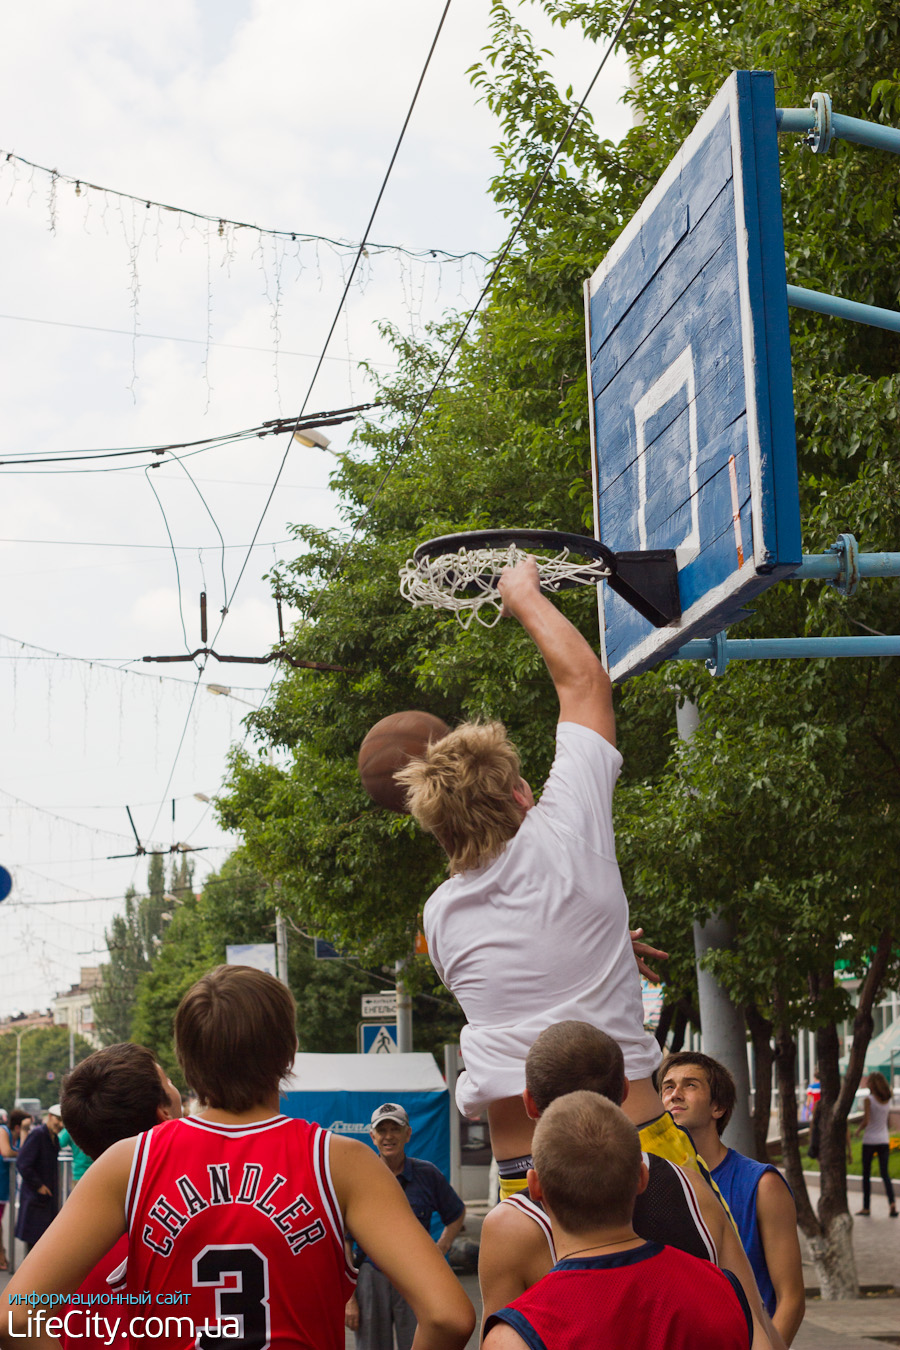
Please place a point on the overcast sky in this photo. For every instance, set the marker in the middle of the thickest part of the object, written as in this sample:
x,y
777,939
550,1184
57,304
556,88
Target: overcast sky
x,y
127,325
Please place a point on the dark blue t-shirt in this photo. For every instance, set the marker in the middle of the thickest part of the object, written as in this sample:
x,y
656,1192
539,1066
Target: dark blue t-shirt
x,y
428,1192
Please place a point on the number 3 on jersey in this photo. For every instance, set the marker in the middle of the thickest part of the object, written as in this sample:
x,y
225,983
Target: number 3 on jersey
x,y
240,1277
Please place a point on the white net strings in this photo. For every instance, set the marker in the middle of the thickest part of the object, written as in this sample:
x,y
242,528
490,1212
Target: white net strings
x,y
466,581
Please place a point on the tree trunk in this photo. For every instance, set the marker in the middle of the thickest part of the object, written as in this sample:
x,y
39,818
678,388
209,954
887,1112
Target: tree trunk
x,y
760,1029
830,1243
830,1233
834,1259
680,1014
665,1021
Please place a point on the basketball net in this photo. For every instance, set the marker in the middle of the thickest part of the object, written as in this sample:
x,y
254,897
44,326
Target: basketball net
x,y
466,581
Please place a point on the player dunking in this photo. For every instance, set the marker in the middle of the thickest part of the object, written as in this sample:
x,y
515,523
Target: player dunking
x,y
241,1207
532,926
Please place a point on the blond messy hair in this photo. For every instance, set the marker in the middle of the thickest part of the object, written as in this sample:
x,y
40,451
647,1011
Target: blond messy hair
x,y
460,790
587,1155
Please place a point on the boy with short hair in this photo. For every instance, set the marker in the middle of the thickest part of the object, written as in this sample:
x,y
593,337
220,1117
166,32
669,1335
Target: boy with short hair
x,y
114,1094
611,1290
677,1207
240,1206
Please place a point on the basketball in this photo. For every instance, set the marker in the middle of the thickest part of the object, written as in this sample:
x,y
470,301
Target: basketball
x,y
389,746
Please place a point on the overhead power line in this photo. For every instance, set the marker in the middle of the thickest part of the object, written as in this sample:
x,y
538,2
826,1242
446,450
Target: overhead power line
x,y
107,543
352,272
492,276
105,663
197,342
331,418
223,222
349,281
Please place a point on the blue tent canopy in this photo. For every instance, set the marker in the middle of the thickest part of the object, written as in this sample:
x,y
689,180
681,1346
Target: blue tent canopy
x,y
341,1092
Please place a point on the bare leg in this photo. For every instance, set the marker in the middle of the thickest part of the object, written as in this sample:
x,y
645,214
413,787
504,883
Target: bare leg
x,y
511,1128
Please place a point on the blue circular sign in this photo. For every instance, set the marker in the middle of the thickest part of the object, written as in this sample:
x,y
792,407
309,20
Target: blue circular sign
x,y
5,883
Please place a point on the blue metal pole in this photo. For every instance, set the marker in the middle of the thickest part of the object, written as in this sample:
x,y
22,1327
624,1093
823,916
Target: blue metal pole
x,y
801,298
773,649
829,566
845,128
793,120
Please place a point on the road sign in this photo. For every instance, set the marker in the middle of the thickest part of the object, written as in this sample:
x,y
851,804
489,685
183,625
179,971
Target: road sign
x,y
383,1005
692,419
378,1039
323,950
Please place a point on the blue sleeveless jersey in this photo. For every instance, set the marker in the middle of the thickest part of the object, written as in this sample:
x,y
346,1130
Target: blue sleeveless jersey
x,y
738,1178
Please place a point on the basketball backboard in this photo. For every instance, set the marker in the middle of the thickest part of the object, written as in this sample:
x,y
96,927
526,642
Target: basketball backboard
x,y
691,401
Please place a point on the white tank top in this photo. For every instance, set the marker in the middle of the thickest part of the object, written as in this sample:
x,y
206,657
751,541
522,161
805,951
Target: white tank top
x,y
876,1132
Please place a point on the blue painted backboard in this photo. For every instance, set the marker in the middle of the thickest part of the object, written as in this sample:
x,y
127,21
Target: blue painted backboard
x,y
692,416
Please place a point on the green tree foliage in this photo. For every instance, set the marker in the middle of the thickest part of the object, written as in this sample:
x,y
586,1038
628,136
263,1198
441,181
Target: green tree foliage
x,y
44,1050
132,941
237,906
783,811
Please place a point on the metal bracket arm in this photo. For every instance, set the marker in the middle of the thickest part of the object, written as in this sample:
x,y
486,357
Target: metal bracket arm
x,y
648,581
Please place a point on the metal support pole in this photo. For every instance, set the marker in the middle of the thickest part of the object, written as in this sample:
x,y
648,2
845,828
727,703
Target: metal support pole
x,y
823,303
718,651
451,1073
281,948
404,1013
722,1022
842,128
830,566
724,1034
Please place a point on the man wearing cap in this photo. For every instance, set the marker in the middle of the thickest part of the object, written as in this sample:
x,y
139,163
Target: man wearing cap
x,y
376,1311
37,1166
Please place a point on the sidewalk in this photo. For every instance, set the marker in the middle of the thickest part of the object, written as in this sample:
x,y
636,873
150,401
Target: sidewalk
x,y
852,1326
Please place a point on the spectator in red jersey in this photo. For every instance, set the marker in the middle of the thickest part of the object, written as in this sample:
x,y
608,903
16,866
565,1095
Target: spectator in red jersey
x,y
241,1208
610,1289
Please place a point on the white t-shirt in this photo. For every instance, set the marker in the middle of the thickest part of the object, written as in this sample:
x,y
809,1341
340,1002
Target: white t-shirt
x,y
876,1132
540,935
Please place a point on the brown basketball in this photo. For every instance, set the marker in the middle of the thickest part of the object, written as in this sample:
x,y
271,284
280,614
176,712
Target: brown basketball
x,y
389,746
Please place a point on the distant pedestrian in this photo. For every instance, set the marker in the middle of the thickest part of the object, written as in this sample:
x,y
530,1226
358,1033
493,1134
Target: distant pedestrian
x,y
10,1131
876,1140
37,1166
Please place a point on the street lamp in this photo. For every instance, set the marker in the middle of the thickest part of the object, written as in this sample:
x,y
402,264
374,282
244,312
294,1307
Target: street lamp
x,y
224,691
313,438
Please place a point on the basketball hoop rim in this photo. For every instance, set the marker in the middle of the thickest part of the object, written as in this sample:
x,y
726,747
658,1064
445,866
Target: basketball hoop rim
x,y
556,540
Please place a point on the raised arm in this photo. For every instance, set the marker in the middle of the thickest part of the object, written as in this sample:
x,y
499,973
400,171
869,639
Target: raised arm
x,y
582,685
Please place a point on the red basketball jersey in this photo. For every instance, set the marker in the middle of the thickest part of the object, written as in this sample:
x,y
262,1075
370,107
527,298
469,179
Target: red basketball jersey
x,y
649,1298
238,1227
